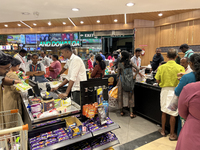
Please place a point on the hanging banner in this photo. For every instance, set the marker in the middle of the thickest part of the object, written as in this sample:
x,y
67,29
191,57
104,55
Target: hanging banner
x,y
58,43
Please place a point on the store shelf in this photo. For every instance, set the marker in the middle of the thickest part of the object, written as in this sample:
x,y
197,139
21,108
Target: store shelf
x,y
109,128
107,145
68,142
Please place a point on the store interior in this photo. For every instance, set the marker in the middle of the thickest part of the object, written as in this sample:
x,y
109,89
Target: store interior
x,y
48,122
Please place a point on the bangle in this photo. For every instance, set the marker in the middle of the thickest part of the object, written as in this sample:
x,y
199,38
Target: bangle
x,y
13,82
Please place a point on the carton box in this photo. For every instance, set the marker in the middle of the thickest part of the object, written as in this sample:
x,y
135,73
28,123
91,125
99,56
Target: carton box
x,y
75,130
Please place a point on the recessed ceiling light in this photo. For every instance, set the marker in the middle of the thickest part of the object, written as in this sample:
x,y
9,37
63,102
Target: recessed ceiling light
x,y
6,25
25,13
160,14
81,22
130,4
49,23
64,23
98,21
115,20
75,9
19,25
34,24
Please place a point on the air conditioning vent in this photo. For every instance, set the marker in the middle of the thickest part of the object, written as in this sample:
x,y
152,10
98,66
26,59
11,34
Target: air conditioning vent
x,y
111,33
102,33
124,32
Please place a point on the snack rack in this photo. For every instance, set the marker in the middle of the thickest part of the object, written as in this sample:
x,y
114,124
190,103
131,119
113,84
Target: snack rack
x,y
13,133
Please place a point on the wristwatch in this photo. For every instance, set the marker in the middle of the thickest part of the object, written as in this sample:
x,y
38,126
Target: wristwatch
x,y
13,82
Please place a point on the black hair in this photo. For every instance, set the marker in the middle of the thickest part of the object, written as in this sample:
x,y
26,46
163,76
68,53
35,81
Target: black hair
x,y
172,53
126,59
66,46
115,54
22,51
35,55
195,60
15,62
91,54
55,56
184,46
100,51
138,50
101,62
5,59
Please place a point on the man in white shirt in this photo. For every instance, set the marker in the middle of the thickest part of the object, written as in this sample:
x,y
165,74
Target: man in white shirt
x,y
76,74
184,62
45,59
20,57
137,60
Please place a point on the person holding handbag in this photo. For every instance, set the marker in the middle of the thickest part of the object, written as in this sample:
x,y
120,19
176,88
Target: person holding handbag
x,y
126,82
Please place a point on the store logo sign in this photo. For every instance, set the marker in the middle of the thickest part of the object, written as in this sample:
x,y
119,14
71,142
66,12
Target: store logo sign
x,y
58,43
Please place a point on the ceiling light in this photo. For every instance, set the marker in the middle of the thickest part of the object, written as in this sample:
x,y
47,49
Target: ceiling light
x,y
115,20
25,13
6,25
49,23
160,14
64,23
34,24
81,22
19,25
125,21
129,4
98,21
75,9
71,21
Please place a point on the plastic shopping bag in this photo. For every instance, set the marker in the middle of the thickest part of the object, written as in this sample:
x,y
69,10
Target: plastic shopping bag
x,y
113,95
173,106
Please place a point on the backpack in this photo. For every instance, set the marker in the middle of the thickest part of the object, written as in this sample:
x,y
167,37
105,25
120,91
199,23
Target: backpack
x,y
127,80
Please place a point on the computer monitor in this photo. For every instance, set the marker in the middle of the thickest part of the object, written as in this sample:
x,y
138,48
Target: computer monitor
x,y
35,87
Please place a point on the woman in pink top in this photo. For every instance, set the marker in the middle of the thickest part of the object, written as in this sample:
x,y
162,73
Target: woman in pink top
x,y
55,67
91,61
189,109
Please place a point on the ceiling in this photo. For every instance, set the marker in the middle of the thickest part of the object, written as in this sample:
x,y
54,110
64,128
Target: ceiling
x,y
106,19
11,10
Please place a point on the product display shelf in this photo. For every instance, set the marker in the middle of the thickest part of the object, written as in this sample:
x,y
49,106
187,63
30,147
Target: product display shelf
x,y
68,142
115,142
110,127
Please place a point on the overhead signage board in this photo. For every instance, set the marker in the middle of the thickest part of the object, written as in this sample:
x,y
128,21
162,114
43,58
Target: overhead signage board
x,y
87,35
58,43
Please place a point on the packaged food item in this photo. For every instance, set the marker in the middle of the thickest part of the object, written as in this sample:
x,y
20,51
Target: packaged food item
x,y
38,147
99,95
60,139
34,100
47,113
58,130
23,87
76,130
66,103
37,144
50,142
57,103
36,108
48,105
106,106
102,115
52,136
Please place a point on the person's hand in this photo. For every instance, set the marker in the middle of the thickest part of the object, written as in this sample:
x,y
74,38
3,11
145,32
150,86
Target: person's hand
x,y
54,89
63,95
141,75
134,69
17,81
179,75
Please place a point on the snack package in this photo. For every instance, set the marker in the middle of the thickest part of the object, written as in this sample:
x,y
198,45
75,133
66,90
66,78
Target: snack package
x,y
36,108
57,103
102,115
106,106
66,103
99,95
38,147
47,113
23,87
48,105
37,144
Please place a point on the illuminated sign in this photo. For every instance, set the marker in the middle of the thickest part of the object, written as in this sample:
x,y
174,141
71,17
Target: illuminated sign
x,y
58,43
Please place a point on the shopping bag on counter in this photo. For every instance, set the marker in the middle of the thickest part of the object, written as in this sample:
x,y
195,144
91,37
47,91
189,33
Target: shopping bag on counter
x,y
47,72
173,105
113,95
139,78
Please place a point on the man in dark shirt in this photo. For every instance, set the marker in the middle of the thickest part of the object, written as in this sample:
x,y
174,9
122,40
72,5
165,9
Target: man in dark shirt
x,y
157,59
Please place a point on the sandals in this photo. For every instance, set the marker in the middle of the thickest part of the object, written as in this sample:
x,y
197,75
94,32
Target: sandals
x,y
174,138
163,134
132,115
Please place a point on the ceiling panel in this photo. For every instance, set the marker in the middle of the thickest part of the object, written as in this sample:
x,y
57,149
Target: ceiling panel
x,y
108,19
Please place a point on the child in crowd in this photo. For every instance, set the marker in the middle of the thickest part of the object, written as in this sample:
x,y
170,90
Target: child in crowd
x,y
36,70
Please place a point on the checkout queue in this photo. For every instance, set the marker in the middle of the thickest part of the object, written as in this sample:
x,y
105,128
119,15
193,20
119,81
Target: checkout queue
x,y
170,76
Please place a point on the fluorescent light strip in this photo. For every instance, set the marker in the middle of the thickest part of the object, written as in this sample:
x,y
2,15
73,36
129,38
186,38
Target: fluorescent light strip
x,y
25,24
71,21
125,18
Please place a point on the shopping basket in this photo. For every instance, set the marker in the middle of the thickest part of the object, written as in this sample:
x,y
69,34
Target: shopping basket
x,y
13,133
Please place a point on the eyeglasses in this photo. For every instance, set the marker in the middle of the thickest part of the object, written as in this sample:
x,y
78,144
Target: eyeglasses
x,y
7,68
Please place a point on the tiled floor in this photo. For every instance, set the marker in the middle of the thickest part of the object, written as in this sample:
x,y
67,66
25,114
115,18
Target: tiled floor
x,y
138,133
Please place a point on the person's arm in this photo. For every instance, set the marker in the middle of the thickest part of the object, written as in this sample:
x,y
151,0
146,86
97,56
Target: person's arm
x,y
61,85
62,71
64,95
21,70
38,73
30,73
180,86
157,76
94,72
8,81
182,104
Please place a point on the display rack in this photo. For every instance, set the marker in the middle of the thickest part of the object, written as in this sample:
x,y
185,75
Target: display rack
x,y
107,145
